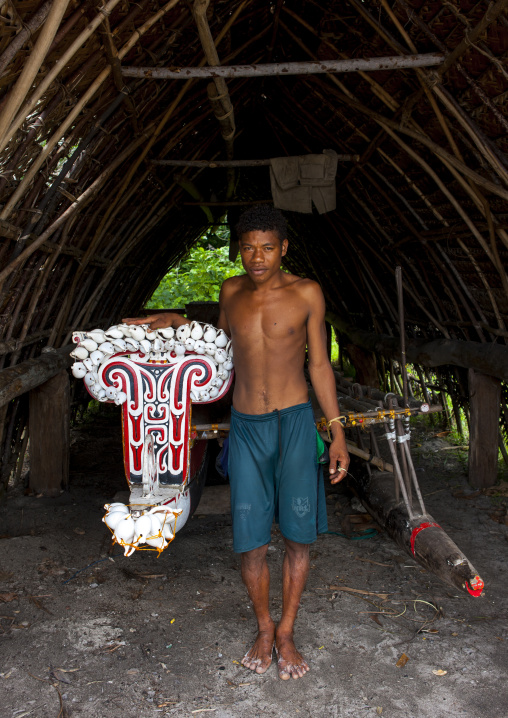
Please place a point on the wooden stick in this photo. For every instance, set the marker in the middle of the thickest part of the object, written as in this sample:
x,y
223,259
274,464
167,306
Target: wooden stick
x,y
492,13
279,69
218,91
19,379
233,163
83,199
489,358
32,65
84,99
59,65
29,28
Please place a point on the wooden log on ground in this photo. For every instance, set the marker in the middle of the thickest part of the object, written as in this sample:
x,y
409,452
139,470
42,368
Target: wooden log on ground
x,y
491,359
280,69
422,538
484,404
19,379
49,428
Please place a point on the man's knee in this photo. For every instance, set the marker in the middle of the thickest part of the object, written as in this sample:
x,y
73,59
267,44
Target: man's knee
x,y
254,558
297,550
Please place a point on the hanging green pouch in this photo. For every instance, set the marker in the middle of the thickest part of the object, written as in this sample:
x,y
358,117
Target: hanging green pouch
x,y
323,456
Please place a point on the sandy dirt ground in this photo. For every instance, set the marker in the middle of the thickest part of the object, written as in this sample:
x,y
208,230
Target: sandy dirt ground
x,y
86,632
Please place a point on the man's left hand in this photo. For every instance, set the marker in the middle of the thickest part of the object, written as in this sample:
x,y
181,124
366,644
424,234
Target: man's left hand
x,y
339,460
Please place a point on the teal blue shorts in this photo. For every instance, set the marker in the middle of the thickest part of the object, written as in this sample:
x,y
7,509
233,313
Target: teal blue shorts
x,y
274,473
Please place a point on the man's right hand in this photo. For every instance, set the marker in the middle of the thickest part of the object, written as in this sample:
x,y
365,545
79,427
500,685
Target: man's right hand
x,y
158,321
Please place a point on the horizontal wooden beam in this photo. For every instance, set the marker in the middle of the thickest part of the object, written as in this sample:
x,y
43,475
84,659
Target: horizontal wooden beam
x,y
488,358
279,69
17,380
212,164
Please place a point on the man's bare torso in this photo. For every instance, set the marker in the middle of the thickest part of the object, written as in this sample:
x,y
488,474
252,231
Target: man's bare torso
x,y
269,333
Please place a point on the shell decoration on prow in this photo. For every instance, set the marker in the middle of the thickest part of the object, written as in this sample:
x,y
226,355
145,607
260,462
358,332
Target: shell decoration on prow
x,y
152,346
148,530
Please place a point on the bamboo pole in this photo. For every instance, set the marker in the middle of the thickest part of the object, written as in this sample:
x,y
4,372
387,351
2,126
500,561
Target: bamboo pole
x,y
30,27
209,164
84,99
59,65
218,93
32,65
80,202
281,69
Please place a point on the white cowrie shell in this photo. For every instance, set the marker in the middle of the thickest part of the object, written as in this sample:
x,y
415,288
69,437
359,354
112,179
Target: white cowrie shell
x,y
193,396
101,393
124,531
229,348
107,348
169,344
183,332
196,331
189,344
96,357
150,335
119,344
143,527
121,397
213,392
78,370
179,349
222,373
89,345
220,356
159,542
116,506
145,345
89,364
137,332
217,382
204,395
221,339
132,345
209,333
167,531
97,335
111,392
113,518
167,332
228,365
114,332
90,378
199,346
210,349
157,345
79,352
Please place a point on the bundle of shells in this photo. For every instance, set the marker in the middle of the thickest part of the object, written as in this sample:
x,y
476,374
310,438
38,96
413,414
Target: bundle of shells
x,y
96,347
156,527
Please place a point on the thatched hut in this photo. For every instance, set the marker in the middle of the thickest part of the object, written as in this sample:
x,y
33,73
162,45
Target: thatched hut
x,y
115,119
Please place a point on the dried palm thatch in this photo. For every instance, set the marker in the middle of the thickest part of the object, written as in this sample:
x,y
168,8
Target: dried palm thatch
x,y
89,223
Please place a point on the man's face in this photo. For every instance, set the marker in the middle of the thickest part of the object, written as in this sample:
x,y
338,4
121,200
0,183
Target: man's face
x,y
261,254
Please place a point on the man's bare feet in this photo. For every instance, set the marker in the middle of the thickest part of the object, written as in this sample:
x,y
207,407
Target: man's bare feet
x,y
259,658
289,662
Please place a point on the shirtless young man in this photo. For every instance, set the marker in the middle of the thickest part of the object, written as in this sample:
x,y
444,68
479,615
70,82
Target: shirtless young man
x,y
271,317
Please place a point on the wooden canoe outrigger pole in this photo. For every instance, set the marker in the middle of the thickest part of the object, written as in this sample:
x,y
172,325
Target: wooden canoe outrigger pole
x,y
413,529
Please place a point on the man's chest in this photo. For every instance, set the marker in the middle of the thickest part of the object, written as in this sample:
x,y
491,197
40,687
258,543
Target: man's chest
x,y
272,317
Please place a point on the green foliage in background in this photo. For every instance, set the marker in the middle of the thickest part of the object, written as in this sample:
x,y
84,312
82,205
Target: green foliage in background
x,y
199,275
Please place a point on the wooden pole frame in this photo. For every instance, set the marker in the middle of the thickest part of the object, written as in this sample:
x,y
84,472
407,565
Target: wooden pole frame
x,y
280,69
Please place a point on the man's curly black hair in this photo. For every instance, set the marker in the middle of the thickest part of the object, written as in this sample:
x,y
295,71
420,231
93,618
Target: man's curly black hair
x,y
264,218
